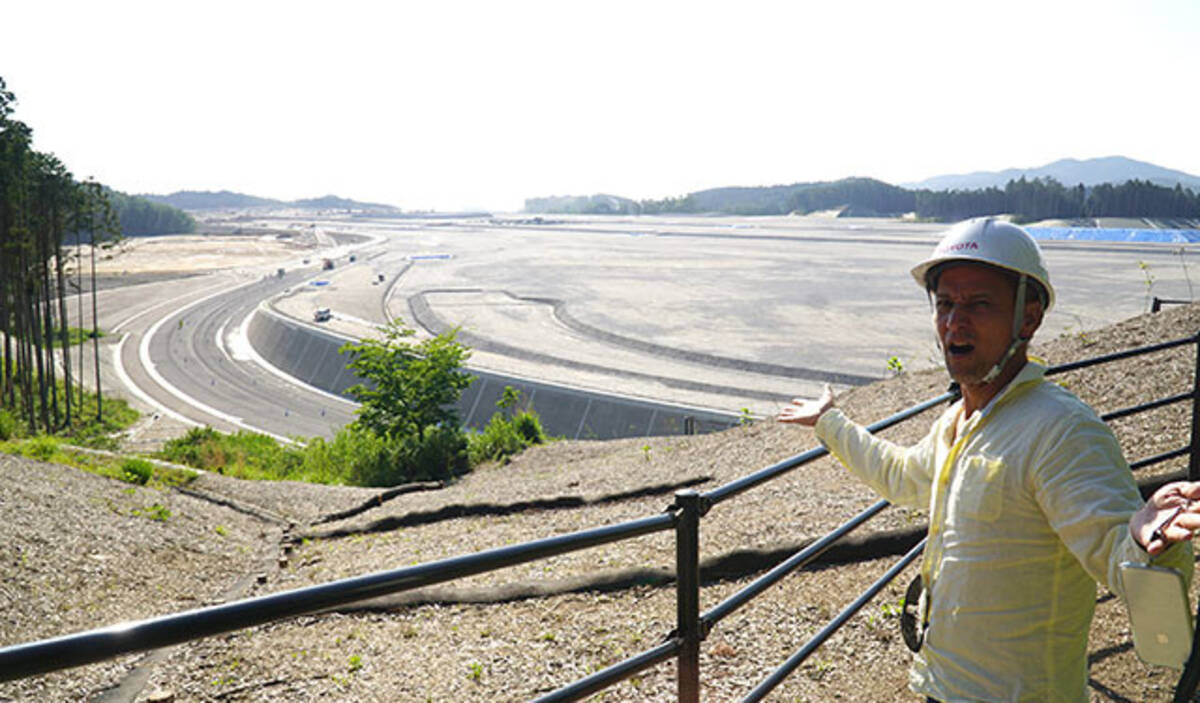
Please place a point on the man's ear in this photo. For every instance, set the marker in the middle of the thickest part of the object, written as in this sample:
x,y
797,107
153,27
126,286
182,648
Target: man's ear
x,y
1033,318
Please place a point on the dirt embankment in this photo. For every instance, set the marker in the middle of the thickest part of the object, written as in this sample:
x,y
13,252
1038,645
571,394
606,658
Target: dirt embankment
x,y
79,552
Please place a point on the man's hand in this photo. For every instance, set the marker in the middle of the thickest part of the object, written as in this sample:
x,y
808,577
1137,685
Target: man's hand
x,y
807,412
1171,515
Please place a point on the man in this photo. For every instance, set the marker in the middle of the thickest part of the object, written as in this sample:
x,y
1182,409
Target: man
x,y
1030,501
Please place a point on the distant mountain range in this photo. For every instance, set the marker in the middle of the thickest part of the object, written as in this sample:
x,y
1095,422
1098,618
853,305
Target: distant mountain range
x,y
1067,189
1069,172
227,200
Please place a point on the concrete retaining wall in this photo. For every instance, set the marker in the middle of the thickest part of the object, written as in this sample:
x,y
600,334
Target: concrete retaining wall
x,y
311,356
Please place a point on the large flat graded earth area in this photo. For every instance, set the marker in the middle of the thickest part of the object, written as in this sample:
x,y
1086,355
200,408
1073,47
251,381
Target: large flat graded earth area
x,y
767,305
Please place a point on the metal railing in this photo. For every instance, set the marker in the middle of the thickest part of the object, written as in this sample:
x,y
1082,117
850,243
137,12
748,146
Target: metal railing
x,y
684,516
1157,303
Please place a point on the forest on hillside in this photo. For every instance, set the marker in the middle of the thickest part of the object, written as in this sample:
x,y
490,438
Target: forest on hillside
x,y
1027,200
46,219
43,211
138,217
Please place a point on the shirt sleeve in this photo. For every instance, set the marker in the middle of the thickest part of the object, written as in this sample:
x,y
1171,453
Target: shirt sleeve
x,y
1087,492
902,475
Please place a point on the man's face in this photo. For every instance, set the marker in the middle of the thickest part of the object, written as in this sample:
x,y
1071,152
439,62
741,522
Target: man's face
x,y
973,315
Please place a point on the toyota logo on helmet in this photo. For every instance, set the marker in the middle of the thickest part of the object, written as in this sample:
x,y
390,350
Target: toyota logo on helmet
x,y
988,240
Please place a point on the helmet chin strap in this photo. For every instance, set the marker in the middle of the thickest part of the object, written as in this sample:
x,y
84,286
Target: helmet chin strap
x,y
1017,339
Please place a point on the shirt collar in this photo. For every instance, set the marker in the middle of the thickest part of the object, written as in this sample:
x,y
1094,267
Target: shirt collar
x,y
1031,372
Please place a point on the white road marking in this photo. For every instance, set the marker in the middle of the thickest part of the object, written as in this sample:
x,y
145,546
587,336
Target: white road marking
x,y
119,367
241,350
148,364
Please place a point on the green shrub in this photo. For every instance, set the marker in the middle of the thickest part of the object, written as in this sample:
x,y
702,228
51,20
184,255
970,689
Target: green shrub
x,y
440,455
42,447
194,448
354,456
501,438
529,426
136,470
8,425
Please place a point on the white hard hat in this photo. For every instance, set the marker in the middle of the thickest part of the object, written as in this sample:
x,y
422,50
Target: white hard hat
x,y
989,241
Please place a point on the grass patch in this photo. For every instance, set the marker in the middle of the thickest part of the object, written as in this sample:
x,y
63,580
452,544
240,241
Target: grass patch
x,y
77,336
135,470
243,455
156,512
86,428
354,457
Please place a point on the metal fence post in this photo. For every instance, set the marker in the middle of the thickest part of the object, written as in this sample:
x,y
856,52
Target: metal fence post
x,y
687,593
1190,677
1194,456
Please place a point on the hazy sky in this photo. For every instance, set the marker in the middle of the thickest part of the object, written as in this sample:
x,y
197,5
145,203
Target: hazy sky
x,y
451,105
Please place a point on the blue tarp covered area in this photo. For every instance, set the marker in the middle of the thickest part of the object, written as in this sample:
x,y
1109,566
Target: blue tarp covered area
x,y
1165,236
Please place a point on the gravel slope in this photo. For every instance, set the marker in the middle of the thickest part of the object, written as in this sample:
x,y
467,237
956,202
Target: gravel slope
x,y
75,555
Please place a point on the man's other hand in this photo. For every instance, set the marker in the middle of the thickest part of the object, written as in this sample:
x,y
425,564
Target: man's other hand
x,y
807,412
1171,515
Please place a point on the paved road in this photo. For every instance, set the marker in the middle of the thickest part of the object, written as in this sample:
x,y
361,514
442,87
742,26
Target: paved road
x,y
175,353
197,352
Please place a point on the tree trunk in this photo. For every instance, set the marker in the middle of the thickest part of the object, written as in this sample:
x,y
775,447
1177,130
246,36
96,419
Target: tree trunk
x,y
64,327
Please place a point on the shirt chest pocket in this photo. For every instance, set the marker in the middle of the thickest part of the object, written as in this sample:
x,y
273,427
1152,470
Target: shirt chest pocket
x,y
977,492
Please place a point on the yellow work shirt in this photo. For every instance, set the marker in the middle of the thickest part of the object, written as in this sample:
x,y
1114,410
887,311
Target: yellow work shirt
x,y
1030,505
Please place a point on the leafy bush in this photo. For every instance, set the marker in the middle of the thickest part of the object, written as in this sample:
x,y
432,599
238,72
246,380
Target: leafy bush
x,y
529,426
194,448
8,425
42,448
499,439
411,386
135,470
503,437
355,456
440,455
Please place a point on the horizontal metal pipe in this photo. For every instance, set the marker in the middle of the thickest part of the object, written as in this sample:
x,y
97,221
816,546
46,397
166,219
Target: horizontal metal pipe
x,y
1160,458
617,672
1145,407
834,625
30,659
796,561
912,411
745,483
1117,356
